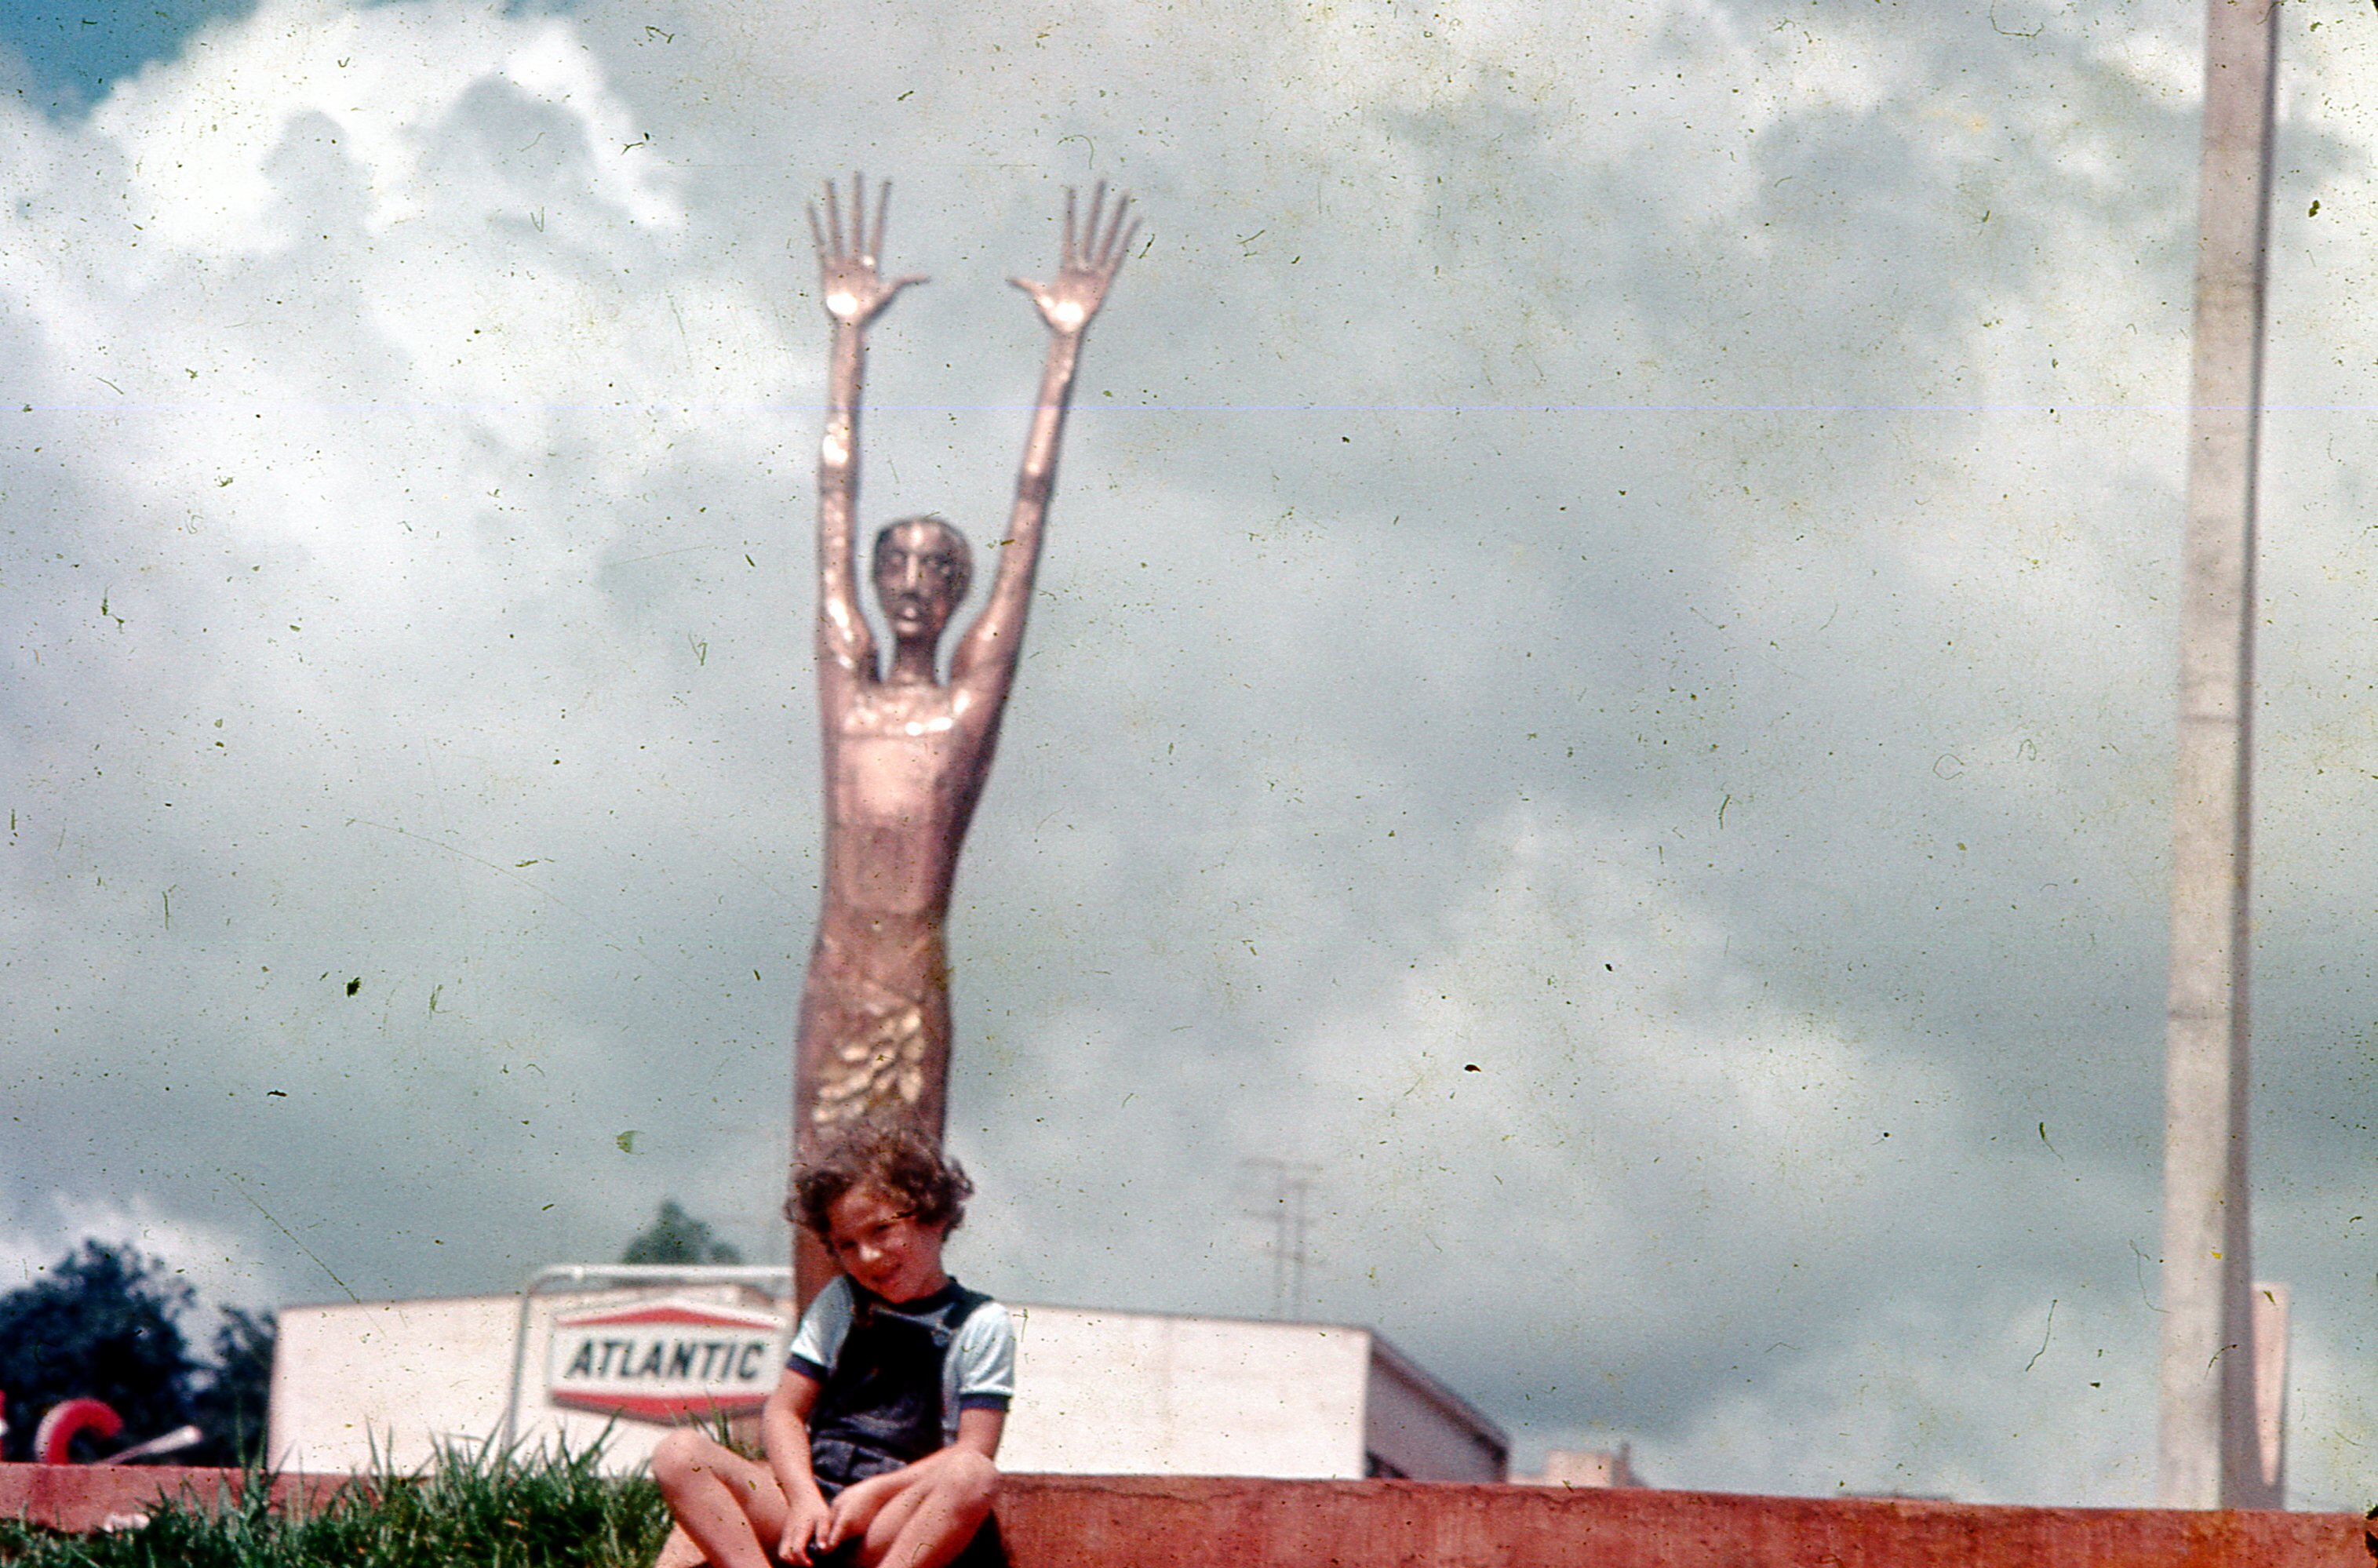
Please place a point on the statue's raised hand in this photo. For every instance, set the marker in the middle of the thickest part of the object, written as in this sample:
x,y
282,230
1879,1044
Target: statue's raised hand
x,y
1089,264
855,291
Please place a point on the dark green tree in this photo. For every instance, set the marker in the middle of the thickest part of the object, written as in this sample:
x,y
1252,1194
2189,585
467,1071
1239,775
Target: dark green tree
x,y
103,1325
676,1236
228,1402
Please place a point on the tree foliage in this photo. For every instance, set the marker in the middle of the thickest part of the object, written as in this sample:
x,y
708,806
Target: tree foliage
x,y
676,1236
229,1402
104,1322
103,1325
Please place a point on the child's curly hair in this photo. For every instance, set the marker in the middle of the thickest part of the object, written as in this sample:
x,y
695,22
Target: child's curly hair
x,y
899,1160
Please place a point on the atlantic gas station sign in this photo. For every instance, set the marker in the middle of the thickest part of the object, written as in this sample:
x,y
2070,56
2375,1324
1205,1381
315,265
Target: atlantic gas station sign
x,y
666,1360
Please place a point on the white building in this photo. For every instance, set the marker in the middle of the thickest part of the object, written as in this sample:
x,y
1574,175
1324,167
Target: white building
x,y
1099,1392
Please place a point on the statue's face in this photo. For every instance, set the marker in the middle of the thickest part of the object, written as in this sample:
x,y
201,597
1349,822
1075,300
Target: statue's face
x,y
920,577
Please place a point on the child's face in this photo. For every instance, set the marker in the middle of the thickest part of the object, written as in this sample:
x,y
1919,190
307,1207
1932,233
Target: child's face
x,y
879,1243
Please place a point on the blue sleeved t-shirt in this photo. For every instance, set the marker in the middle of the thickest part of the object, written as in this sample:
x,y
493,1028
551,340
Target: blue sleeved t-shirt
x,y
977,1369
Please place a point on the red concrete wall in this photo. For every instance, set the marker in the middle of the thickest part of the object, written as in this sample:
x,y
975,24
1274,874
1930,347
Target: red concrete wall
x,y
1152,1522
83,1497
1068,1522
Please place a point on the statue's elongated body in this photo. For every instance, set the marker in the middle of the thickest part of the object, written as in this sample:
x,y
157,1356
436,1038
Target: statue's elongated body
x,y
906,753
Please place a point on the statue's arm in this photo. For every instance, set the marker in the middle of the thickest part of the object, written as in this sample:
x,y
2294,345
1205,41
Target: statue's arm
x,y
985,658
854,294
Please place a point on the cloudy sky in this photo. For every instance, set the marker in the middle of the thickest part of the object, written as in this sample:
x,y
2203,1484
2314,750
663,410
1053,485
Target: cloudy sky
x,y
1630,551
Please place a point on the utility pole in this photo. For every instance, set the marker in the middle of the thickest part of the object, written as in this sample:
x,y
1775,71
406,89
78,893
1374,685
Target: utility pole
x,y
1292,1189
2208,1451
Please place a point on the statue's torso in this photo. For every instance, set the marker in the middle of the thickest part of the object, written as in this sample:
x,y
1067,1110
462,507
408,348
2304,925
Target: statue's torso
x,y
904,767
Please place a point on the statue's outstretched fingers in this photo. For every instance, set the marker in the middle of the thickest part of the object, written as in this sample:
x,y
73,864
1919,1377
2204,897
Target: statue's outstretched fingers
x,y
817,236
1090,230
1112,250
834,217
1124,249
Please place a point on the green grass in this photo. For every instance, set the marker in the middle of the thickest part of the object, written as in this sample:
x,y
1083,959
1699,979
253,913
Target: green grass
x,y
480,1509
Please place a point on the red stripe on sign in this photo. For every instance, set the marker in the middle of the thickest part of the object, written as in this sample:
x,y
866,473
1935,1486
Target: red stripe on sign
x,y
692,1316
662,1407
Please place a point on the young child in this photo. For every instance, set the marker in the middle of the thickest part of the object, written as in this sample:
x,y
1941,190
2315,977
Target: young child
x,y
881,1433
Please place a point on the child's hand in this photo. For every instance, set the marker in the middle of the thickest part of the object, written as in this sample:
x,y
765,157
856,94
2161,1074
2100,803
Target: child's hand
x,y
856,1509
804,1521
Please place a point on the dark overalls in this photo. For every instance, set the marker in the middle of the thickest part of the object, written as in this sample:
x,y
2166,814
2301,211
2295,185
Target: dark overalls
x,y
881,1406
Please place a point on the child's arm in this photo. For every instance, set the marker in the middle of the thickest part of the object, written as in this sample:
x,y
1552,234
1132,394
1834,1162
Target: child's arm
x,y
981,1430
784,1432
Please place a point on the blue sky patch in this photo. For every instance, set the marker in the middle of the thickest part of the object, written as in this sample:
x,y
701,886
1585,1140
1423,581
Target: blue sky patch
x,y
76,49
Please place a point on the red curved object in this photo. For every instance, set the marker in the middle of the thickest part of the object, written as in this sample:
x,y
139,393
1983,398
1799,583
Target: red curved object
x,y
68,1420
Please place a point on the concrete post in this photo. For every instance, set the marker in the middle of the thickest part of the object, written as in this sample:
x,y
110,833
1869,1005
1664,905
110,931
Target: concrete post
x,y
2208,1453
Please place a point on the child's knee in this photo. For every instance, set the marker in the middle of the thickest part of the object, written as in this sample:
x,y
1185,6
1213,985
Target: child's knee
x,y
680,1456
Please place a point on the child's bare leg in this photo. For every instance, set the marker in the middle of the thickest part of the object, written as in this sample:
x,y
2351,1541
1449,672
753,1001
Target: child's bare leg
x,y
678,1550
730,1511
930,1523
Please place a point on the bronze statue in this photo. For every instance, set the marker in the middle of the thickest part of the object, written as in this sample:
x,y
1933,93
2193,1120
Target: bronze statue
x,y
906,753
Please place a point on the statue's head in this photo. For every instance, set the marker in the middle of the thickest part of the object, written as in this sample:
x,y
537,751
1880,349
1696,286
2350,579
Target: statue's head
x,y
922,567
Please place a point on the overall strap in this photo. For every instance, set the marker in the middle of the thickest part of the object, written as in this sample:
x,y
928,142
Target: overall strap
x,y
967,1304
